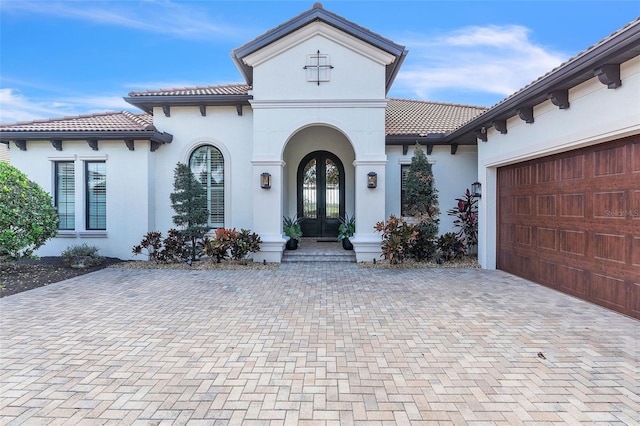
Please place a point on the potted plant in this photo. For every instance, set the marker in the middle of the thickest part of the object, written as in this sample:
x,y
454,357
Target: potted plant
x,y
291,228
346,230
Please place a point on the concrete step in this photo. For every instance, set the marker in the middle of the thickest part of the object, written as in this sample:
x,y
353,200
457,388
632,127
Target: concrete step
x,y
314,250
290,256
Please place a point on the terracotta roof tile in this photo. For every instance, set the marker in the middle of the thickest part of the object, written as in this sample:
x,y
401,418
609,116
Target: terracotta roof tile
x,y
409,117
403,117
106,122
223,89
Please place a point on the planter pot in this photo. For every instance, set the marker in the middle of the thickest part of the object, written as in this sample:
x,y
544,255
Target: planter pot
x,y
292,244
346,244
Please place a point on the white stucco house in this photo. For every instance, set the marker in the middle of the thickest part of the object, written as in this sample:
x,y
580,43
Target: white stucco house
x,y
559,160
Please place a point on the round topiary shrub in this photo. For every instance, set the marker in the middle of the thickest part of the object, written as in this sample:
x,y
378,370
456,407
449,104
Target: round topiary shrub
x,y
27,215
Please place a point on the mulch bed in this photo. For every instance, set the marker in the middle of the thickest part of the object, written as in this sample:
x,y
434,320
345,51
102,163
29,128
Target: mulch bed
x,y
26,274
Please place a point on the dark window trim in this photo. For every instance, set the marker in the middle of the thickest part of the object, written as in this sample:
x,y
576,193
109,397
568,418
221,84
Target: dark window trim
x,y
87,202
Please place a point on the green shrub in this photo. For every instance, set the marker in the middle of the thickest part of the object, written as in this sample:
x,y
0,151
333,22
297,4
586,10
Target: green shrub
x,y
82,256
450,246
397,238
27,215
424,247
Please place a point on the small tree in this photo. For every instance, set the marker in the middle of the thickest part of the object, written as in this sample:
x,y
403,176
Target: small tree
x,y
189,200
420,188
422,204
27,215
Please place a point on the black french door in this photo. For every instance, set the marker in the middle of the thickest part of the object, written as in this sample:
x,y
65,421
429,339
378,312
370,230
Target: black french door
x,y
320,194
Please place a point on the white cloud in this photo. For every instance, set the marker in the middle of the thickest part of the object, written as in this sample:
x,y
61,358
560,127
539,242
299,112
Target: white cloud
x,y
497,60
14,106
157,16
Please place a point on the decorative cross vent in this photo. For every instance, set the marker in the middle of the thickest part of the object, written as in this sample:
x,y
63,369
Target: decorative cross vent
x,y
320,70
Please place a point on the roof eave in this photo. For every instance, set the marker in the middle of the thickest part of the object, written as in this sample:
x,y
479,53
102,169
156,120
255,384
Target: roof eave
x,y
159,137
618,49
428,139
147,103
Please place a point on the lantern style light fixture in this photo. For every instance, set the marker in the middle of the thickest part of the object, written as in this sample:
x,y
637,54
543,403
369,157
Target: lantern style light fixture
x,y
476,189
372,180
265,180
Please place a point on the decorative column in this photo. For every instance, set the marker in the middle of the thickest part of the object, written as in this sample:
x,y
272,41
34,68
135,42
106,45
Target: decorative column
x,y
370,208
267,208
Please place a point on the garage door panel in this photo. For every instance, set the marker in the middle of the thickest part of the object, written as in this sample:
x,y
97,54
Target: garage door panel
x,y
572,205
610,247
547,239
608,291
571,221
634,299
573,281
609,161
635,157
573,242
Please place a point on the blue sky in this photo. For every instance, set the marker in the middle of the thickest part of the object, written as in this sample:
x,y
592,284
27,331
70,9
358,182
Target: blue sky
x,y
61,58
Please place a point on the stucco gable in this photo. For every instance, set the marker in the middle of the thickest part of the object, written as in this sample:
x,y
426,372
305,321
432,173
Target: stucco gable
x,y
339,24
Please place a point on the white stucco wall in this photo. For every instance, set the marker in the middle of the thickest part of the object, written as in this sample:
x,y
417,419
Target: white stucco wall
x,y
223,128
128,192
596,114
453,175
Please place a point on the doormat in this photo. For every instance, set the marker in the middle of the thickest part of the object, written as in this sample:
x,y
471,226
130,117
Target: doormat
x,y
326,240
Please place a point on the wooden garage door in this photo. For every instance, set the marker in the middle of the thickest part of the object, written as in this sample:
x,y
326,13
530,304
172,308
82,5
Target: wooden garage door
x,y
572,222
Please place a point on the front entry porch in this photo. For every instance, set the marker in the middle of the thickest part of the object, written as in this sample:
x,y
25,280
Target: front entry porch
x,y
311,249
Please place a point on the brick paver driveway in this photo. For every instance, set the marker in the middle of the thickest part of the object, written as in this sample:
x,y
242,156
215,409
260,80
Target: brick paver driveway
x,y
313,344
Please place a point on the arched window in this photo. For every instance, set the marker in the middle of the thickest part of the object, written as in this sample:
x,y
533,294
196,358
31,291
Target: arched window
x,y
207,165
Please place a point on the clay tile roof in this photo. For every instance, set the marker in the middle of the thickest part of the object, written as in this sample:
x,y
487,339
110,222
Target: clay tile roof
x,y
409,117
223,89
102,122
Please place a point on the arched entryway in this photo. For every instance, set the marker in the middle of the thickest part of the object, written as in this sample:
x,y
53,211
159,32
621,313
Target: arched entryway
x,y
320,194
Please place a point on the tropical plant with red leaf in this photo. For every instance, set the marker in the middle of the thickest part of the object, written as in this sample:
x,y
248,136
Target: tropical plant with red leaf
x,y
398,237
466,222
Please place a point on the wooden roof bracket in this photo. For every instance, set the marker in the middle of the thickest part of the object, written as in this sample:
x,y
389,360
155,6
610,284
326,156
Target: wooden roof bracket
x,y
559,98
501,126
525,114
609,75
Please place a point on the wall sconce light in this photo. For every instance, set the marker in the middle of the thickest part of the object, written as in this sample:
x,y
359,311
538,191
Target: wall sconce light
x,y
372,180
476,189
265,180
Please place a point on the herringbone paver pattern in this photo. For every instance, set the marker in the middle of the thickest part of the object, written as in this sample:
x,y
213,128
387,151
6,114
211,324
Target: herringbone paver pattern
x,y
313,344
